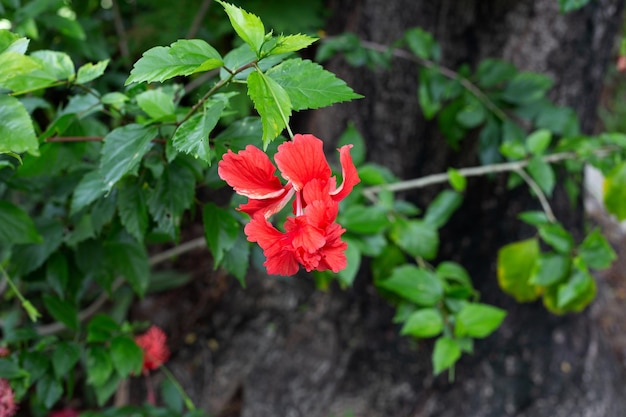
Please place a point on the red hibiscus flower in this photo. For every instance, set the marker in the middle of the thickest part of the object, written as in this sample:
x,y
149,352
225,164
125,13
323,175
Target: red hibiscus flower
x,y
311,238
8,407
155,351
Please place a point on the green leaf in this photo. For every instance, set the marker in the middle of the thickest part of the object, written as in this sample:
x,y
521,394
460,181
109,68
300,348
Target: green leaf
x,y
132,209
183,57
538,141
13,64
12,42
248,26
454,272
515,265
173,195
472,115
192,137
478,320
534,218
16,226
491,72
445,354
550,269
131,261
309,86
126,356
99,366
101,328
414,284
10,369
122,150
421,43
416,237
16,128
106,389
570,5
526,87
543,174
171,396
596,252
457,180
49,390
272,103
443,206
221,229
615,191
578,291
157,104
353,255
364,219
88,190
556,236
28,257
291,43
64,357
426,322
90,71
61,310
57,274
236,260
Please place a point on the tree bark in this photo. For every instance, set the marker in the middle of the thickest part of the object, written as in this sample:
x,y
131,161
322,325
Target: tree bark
x,y
281,348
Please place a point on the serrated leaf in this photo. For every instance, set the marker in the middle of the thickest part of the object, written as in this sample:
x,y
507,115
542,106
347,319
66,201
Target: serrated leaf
x,y
416,237
13,64
16,226
221,229
538,141
49,390
414,284
615,191
445,354
442,207
91,71
99,366
543,174
364,219
478,320
247,25
12,42
192,137
28,257
526,87
515,264
183,57
88,190
426,322
64,357
157,104
309,86
132,209
272,103
126,356
122,150
291,43
63,311
491,72
16,128
131,261
596,252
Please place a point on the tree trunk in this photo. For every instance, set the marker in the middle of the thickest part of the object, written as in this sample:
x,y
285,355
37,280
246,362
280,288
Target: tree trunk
x,y
281,348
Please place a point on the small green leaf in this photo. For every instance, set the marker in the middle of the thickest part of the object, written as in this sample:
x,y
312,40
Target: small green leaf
x,y
131,261
478,320
88,190
426,322
471,115
49,390
132,209
99,366
491,72
596,252
122,150
90,71
526,87
272,103
126,356
570,5
221,229
64,357
515,264
556,236
364,219
454,272
353,255
291,43
534,218
416,237
183,57
16,226
248,26
445,354
16,128
61,310
192,137
578,291
421,43
543,174
538,141
309,86
101,328
157,104
442,207
615,191
457,180
550,269
414,284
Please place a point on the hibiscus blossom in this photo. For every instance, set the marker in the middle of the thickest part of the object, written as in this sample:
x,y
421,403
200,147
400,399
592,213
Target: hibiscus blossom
x,y
8,407
311,238
155,351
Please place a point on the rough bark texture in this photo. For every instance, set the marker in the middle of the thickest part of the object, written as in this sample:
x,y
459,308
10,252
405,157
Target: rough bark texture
x,y
280,348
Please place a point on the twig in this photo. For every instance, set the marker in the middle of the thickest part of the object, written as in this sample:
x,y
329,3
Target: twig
x,y
121,32
539,193
197,21
52,328
370,192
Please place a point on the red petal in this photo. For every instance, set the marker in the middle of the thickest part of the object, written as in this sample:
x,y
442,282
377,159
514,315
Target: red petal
x,y
275,245
251,173
333,253
304,235
348,173
282,263
302,160
268,207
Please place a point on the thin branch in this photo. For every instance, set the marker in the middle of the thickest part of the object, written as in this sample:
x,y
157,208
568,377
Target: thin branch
x,y
370,192
197,21
198,81
121,32
52,328
539,193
